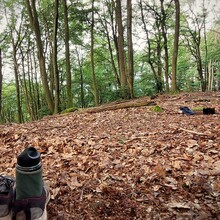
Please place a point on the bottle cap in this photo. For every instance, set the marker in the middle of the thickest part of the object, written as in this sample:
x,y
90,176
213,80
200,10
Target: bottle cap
x,y
29,160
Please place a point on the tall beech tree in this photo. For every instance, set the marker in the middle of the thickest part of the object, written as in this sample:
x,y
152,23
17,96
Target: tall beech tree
x,y
130,49
175,45
55,61
33,17
154,42
121,51
15,38
0,82
67,56
166,53
95,89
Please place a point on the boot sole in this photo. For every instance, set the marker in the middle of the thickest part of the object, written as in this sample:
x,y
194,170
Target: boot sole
x,y
8,217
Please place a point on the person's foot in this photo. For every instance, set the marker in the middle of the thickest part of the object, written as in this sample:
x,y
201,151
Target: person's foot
x,y
6,197
32,208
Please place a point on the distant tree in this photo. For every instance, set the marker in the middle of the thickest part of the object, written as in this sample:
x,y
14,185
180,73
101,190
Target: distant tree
x,y
67,56
33,17
175,45
121,52
15,39
193,39
55,61
109,26
154,47
95,89
164,21
130,48
0,82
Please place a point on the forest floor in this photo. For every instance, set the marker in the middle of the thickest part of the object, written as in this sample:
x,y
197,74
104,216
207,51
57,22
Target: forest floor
x,y
129,163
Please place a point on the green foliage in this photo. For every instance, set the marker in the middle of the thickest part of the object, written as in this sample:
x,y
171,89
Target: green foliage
x,y
44,111
157,109
9,106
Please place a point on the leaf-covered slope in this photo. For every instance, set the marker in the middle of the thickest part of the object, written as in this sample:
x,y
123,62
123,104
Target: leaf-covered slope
x,y
130,163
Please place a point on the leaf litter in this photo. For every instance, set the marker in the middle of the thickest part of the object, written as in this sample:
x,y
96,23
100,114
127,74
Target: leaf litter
x,y
129,163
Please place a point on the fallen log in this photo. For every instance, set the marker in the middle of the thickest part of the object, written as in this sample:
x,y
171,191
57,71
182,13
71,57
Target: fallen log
x,y
144,101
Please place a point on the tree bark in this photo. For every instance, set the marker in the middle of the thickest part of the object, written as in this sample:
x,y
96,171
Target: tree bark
x,y
16,72
1,82
55,66
166,54
82,95
130,49
175,46
95,90
121,52
67,54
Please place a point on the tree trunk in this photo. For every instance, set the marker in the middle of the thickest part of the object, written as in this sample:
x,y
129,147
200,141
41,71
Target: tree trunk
x,y
166,55
200,71
82,96
105,24
95,90
121,52
1,82
24,87
55,66
16,72
33,17
149,53
130,49
68,66
206,47
175,46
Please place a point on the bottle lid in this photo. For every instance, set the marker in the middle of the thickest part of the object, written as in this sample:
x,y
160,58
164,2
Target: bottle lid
x,y
29,160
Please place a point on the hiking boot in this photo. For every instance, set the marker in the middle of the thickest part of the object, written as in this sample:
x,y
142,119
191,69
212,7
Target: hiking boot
x,y
32,208
6,197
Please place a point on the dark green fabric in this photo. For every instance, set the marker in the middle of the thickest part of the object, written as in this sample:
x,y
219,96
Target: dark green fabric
x,y
28,184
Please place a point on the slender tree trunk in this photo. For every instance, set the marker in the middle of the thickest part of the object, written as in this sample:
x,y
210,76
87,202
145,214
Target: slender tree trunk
x,y
34,108
67,49
82,96
16,72
1,82
166,54
24,86
175,46
121,52
210,78
55,66
149,54
33,17
105,24
206,48
35,84
95,90
130,49
200,70
159,65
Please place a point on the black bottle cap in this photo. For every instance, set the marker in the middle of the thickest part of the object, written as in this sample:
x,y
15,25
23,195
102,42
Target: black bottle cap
x,y
29,160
